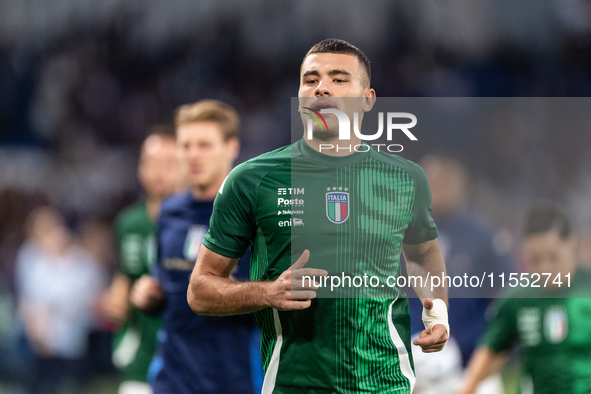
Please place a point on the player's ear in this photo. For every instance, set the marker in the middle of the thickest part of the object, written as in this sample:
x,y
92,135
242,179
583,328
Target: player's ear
x,y
370,99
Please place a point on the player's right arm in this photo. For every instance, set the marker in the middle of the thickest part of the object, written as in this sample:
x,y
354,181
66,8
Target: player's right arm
x,y
483,363
232,228
424,259
212,292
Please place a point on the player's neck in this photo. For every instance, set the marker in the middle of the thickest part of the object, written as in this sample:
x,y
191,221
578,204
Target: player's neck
x,y
334,146
153,207
206,193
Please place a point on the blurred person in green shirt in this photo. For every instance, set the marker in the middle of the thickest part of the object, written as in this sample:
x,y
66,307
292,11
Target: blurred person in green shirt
x,y
134,344
549,319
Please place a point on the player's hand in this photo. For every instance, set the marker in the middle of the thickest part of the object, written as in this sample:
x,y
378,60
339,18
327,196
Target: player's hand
x,y
114,303
433,339
113,307
146,293
287,293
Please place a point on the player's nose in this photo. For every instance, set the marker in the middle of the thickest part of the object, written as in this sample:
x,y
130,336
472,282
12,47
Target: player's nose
x,y
322,90
193,153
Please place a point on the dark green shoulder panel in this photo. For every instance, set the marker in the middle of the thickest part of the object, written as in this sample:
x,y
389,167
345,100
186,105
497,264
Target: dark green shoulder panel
x,y
246,177
233,222
414,170
422,227
132,218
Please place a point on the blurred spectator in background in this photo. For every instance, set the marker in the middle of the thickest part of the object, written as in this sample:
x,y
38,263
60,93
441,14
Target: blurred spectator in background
x,y
14,354
58,283
134,345
13,350
551,320
469,247
198,354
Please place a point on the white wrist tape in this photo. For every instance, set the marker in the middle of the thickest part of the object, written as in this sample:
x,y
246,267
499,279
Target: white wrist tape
x,y
436,315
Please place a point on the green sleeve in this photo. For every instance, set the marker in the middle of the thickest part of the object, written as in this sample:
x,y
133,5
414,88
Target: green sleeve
x,y
501,331
232,224
422,227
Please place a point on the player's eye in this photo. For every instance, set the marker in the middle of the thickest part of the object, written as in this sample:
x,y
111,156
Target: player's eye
x,y
338,80
311,81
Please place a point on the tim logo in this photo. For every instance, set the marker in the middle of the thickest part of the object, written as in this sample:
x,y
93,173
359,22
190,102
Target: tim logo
x,y
282,191
337,206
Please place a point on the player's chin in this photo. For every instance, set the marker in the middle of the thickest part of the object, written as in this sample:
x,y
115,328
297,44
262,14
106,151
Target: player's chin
x,y
199,180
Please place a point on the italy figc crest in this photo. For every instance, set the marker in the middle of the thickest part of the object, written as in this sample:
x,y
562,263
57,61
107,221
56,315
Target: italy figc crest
x,y
193,241
337,206
555,324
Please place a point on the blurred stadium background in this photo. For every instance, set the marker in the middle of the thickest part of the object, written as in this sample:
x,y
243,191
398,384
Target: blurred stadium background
x,y
82,81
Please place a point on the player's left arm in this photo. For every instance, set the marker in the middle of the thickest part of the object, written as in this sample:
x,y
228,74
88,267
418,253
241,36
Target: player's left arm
x,y
426,260
483,363
114,302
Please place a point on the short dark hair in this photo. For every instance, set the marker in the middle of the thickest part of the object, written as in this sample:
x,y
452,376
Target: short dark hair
x,y
334,45
546,217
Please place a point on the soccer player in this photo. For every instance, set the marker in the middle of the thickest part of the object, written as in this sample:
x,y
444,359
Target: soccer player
x,y
551,322
345,345
198,354
134,344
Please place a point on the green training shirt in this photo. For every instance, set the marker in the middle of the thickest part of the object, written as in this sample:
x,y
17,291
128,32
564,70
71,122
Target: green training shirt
x,y
135,343
554,334
352,213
